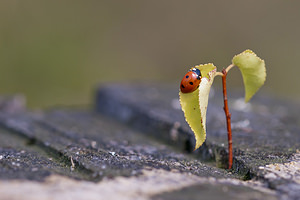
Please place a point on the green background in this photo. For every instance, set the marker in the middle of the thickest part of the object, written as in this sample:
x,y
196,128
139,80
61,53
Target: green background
x,y
57,52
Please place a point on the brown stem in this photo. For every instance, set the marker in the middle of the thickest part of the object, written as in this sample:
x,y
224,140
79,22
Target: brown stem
x,y
228,119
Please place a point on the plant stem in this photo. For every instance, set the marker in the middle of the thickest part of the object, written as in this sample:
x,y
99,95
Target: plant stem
x,y
228,118
229,67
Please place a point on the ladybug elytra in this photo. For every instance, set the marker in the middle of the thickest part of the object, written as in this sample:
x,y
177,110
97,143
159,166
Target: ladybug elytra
x,y
190,81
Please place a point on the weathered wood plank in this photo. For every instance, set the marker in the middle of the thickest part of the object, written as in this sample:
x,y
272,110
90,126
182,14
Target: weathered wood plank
x,y
99,147
141,130
265,131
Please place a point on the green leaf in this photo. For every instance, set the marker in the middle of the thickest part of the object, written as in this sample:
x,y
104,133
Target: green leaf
x,y
253,71
194,104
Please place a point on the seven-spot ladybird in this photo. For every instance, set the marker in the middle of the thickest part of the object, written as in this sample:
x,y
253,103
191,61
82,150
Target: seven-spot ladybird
x,y
190,81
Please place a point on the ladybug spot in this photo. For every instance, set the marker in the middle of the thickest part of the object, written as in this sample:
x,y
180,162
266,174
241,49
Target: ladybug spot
x,y
187,76
191,83
182,86
197,86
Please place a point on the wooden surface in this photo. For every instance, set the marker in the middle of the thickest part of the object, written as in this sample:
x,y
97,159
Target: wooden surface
x,y
135,144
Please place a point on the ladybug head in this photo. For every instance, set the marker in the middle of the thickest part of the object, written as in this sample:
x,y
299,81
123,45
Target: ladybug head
x,y
196,71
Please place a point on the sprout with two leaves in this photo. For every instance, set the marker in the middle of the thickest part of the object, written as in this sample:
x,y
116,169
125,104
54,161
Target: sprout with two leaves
x,y
195,87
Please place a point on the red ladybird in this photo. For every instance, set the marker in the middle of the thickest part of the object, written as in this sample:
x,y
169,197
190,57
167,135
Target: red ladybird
x,y
190,81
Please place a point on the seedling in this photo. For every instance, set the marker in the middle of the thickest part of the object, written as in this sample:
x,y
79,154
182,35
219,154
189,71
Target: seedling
x,y
195,87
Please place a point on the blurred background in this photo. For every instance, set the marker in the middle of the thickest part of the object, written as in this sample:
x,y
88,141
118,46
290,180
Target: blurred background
x,y
57,52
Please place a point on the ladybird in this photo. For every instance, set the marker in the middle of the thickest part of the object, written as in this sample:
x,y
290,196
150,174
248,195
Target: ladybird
x,y
190,81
